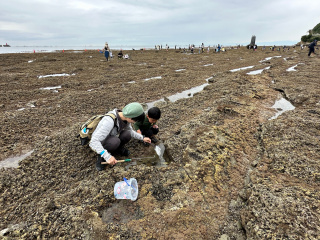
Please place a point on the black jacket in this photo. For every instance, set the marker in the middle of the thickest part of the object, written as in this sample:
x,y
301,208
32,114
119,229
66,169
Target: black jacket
x,y
312,44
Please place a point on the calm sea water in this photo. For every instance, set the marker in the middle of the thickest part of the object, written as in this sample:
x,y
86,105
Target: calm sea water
x,y
31,49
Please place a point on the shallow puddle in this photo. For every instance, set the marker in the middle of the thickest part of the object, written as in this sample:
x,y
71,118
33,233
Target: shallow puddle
x,y
51,88
269,58
147,79
161,159
185,94
243,68
162,154
151,104
257,71
293,68
282,106
180,70
14,161
57,75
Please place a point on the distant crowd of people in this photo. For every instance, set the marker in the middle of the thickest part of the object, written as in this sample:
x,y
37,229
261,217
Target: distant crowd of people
x,y
216,49
192,47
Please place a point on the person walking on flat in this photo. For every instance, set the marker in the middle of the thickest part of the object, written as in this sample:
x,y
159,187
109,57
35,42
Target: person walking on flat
x,y
311,47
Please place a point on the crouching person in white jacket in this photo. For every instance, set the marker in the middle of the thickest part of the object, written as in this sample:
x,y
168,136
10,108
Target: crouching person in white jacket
x,y
110,136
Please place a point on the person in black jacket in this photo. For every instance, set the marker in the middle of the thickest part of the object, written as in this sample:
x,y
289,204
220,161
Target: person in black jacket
x,y
311,47
120,54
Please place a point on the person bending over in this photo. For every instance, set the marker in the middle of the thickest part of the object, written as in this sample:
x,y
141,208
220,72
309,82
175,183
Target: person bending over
x,y
110,136
148,127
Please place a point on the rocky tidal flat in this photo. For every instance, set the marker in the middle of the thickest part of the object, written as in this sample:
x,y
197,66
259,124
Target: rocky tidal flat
x,y
238,166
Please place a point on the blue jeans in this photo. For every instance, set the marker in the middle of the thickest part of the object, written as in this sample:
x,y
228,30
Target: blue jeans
x,y
106,54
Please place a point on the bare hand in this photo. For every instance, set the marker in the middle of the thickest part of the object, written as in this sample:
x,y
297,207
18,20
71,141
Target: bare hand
x,y
112,161
147,140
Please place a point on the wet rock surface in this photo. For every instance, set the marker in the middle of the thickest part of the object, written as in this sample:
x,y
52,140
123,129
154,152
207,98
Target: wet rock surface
x,y
234,174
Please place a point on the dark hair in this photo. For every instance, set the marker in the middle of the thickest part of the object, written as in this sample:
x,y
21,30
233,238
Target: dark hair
x,y
154,113
140,118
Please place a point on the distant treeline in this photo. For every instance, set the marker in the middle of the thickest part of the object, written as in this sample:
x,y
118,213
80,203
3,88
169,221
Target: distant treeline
x,y
314,34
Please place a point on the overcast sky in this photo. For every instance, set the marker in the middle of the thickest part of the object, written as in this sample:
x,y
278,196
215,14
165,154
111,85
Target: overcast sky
x,y
151,22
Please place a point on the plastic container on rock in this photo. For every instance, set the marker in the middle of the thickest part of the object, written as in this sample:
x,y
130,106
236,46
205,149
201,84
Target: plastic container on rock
x,y
127,189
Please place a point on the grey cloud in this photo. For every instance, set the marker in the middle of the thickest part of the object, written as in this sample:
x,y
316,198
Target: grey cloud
x,y
153,22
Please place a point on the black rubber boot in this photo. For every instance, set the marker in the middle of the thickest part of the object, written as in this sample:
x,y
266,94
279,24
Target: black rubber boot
x,y
100,166
123,151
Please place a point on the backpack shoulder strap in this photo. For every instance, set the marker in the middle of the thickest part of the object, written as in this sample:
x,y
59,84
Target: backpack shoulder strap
x,y
113,116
